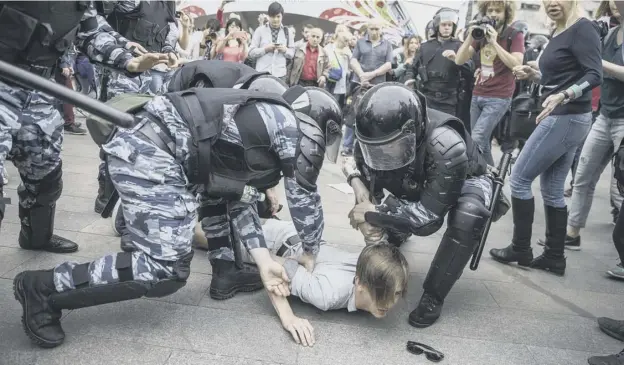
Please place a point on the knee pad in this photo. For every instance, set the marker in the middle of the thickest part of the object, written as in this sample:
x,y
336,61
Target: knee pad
x,y
50,187
469,215
126,288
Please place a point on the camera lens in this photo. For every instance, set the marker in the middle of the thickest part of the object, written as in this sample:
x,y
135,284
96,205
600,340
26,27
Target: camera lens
x,y
478,33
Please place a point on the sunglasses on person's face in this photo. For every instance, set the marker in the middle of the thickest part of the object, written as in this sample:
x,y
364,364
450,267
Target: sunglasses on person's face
x,y
418,348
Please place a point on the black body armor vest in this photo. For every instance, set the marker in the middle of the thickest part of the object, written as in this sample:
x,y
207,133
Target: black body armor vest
x,y
440,75
148,25
37,33
219,73
225,168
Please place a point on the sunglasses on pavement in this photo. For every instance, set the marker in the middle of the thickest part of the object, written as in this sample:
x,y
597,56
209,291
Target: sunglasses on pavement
x,y
418,348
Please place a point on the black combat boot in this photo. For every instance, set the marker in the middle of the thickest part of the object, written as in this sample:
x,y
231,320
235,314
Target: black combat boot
x,y
41,322
100,200
126,244
553,259
612,327
428,311
228,279
520,249
36,233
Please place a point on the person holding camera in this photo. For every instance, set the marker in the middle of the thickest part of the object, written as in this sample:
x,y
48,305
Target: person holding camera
x,y
569,68
233,47
500,48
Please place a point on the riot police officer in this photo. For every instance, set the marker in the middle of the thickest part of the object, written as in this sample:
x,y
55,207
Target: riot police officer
x,y
33,35
435,64
431,167
209,74
218,142
150,26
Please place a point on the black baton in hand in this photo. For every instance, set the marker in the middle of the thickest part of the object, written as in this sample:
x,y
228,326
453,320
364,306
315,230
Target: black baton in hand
x,y
498,178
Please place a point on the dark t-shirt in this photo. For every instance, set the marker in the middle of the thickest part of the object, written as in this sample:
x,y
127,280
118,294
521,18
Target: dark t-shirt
x,y
572,58
496,79
612,89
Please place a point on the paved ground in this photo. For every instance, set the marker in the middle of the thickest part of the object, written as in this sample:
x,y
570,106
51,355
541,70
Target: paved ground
x,y
496,315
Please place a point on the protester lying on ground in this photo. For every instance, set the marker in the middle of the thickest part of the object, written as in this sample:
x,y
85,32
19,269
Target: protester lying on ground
x,y
372,280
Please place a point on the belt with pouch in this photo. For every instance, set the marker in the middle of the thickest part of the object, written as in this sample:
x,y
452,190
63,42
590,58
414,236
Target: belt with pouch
x,y
290,243
148,133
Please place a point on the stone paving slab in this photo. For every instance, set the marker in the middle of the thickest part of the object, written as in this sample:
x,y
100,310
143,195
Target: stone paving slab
x,y
499,314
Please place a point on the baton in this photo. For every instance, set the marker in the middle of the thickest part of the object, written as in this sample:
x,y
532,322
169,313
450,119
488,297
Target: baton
x,y
30,80
498,178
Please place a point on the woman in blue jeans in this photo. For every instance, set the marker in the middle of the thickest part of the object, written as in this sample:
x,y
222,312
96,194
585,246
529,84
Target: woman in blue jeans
x,y
569,68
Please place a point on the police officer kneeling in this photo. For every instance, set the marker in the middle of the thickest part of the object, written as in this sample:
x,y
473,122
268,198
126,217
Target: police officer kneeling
x,y
217,141
431,167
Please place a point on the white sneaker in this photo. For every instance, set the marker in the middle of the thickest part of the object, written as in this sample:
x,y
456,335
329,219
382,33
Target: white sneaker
x,y
5,177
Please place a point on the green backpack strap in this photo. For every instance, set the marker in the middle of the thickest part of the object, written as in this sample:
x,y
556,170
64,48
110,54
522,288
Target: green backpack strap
x,y
101,129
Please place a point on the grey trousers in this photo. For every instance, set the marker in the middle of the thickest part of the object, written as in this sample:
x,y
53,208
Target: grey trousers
x,y
597,152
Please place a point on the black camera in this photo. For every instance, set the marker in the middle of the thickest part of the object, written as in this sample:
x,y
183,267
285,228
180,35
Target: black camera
x,y
478,33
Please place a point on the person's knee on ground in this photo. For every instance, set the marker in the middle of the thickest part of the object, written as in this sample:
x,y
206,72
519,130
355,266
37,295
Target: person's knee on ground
x,y
381,277
43,300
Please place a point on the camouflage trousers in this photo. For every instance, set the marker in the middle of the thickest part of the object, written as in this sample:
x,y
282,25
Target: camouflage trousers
x,y
151,82
31,135
228,225
158,207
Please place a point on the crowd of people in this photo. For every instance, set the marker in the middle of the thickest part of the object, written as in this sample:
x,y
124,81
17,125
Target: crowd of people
x,y
224,115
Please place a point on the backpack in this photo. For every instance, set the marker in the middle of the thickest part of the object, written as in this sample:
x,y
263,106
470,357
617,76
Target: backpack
x,y
102,130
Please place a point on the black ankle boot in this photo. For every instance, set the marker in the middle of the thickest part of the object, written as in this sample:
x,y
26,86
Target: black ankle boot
x,y
36,231
100,200
520,249
41,322
428,311
228,279
552,259
126,244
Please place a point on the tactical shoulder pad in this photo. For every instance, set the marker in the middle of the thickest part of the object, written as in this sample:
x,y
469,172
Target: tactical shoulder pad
x,y
310,152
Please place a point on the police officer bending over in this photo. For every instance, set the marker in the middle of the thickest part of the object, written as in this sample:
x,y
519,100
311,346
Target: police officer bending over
x,y
431,167
439,75
215,141
208,74
33,35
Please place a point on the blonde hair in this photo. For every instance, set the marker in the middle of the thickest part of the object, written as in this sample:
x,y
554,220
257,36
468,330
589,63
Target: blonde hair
x,y
383,270
341,28
509,6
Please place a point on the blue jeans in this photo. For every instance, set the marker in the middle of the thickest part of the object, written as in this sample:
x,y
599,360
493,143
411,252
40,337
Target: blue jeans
x,y
485,114
549,153
348,139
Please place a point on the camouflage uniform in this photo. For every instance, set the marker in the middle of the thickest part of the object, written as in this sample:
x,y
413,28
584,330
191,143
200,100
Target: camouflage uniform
x,y
305,207
151,82
31,128
159,205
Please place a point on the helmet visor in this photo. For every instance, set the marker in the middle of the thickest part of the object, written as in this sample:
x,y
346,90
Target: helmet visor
x,y
389,155
333,137
448,16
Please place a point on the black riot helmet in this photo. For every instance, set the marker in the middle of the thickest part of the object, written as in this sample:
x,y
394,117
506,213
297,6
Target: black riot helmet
x,y
445,15
268,84
429,31
323,108
390,126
